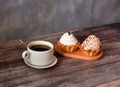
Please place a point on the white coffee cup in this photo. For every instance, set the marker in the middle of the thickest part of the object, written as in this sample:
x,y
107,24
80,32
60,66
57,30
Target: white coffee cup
x,y
39,53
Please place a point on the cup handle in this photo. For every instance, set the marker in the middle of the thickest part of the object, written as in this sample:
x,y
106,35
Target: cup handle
x,y
24,54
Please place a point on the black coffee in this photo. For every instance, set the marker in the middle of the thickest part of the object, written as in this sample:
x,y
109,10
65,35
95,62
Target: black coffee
x,y
39,48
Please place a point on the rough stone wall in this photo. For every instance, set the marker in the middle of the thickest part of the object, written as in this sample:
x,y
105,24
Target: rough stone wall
x,y
27,18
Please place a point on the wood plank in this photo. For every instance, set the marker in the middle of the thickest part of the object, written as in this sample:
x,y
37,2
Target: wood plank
x,y
67,72
111,84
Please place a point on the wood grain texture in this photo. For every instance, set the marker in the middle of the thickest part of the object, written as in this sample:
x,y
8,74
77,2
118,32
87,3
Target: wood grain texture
x,y
111,84
67,72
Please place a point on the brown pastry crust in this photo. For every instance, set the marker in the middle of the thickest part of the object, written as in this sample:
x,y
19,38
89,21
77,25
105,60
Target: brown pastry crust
x,y
78,54
90,52
67,48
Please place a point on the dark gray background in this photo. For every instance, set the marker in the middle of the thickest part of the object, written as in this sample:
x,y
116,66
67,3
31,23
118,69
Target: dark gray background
x,y
27,18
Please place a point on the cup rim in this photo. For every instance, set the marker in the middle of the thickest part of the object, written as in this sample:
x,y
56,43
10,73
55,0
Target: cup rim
x,y
40,42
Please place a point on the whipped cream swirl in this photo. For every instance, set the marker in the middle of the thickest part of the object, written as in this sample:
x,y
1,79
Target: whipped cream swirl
x,y
68,39
91,43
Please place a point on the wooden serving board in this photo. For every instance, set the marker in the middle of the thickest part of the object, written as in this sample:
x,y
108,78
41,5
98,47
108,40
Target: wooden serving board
x,y
77,54
111,84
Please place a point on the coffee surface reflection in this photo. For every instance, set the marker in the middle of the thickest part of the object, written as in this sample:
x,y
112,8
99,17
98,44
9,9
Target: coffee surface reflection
x,y
40,48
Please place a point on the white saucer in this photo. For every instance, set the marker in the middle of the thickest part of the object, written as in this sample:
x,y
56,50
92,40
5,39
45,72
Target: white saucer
x,y
41,66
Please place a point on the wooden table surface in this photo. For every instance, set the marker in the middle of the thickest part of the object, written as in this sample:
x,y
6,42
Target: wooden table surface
x,y
67,72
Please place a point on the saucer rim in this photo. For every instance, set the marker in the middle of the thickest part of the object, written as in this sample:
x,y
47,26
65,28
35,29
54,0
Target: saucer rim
x,y
42,66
